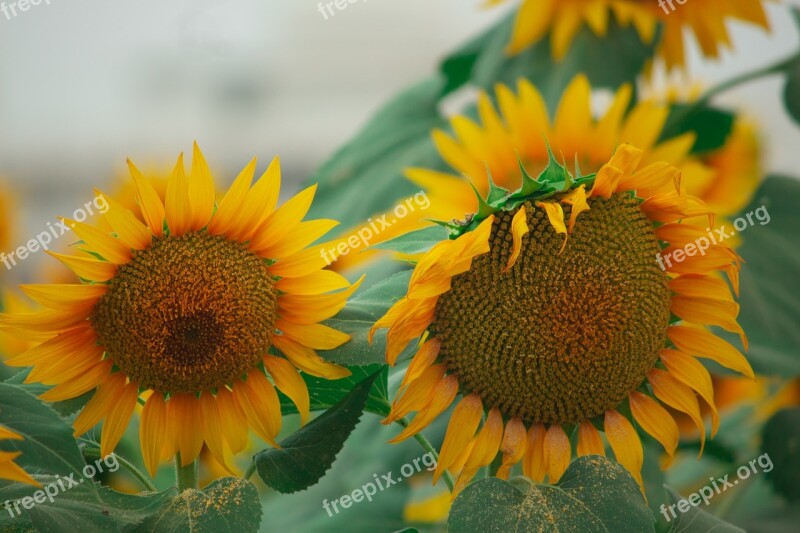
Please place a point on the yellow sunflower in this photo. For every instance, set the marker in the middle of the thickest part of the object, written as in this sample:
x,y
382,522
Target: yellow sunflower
x,y
8,468
705,19
182,309
517,133
548,311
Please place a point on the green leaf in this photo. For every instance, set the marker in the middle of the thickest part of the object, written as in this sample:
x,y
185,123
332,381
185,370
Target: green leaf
x,y
326,393
416,241
85,507
365,177
594,494
791,92
781,442
228,504
695,519
360,315
307,454
48,446
711,126
589,54
770,299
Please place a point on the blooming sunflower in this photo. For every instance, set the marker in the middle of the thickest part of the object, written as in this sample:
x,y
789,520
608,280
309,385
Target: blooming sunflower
x,y
8,468
547,310
704,18
518,132
182,310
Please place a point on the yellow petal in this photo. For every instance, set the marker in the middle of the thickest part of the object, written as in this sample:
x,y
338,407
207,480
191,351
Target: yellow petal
x,y
259,204
183,414
421,361
417,395
625,443
289,381
234,424
200,192
655,420
317,336
307,360
233,201
692,373
152,431
513,446
149,202
519,227
555,214
273,232
678,396
557,452
88,269
487,443
534,466
127,227
576,199
100,242
79,385
178,208
441,396
702,343
460,430
65,296
589,440
212,429
318,282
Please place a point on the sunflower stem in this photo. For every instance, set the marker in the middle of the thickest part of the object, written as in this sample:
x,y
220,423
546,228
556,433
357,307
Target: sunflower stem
x,y
250,471
185,476
127,465
775,68
428,447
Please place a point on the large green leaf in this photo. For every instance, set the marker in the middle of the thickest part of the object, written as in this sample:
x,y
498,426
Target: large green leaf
x,y
694,520
770,296
308,453
594,494
365,177
360,315
781,443
791,92
325,393
711,126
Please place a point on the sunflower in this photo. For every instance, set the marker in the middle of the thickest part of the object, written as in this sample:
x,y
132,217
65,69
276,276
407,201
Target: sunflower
x,y
518,132
184,310
548,312
8,468
704,18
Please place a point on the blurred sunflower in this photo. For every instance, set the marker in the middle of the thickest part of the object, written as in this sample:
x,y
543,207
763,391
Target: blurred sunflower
x,y
706,19
179,310
554,324
8,468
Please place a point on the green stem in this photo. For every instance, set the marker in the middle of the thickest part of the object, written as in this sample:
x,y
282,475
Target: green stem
x,y
250,470
185,476
127,465
770,70
428,447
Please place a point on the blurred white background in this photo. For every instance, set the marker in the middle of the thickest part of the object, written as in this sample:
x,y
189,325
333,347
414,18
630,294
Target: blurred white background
x,y
86,83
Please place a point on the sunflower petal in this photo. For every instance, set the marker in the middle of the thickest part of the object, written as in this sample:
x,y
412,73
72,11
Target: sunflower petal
x,y
625,443
513,446
289,382
557,452
519,228
589,440
655,420
152,431
460,430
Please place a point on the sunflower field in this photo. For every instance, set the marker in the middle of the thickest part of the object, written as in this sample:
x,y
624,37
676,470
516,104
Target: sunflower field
x,y
547,281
